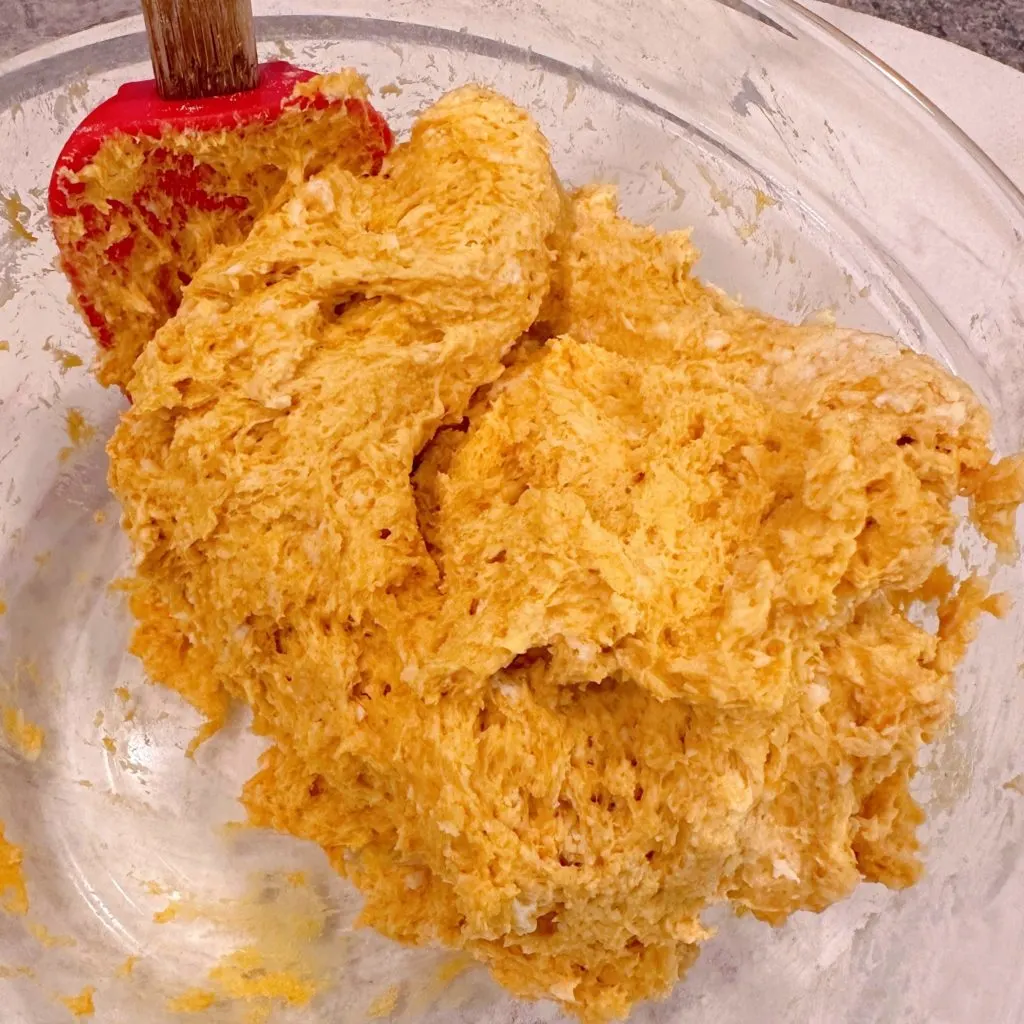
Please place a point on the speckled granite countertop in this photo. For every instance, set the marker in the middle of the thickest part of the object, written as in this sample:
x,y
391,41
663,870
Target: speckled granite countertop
x,y
992,27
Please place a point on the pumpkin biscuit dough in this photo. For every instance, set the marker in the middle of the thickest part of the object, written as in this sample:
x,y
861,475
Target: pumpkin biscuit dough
x,y
571,596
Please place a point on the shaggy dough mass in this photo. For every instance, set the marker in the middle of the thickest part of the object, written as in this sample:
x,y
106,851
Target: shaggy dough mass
x,y
571,596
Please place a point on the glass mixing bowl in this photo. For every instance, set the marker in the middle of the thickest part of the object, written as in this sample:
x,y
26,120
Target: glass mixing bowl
x,y
816,180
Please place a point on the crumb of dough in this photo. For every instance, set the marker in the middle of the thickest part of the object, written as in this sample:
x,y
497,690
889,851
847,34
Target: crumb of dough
x,y
128,241
82,1004
99,517
47,939
252,977
13,894
67,360
26,737
384,1004
5,346
127,969
194,1000
3,607
168,914
78,428
14,210
572,595
248,974
109,744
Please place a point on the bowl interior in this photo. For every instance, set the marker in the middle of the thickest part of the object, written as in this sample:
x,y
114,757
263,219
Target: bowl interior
x,y
118,825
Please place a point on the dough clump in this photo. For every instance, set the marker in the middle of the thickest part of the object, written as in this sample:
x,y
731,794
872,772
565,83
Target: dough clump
x,y
136,220
571,596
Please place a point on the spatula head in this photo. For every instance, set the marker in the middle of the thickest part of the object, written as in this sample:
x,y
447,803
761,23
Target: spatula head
x,y
144,188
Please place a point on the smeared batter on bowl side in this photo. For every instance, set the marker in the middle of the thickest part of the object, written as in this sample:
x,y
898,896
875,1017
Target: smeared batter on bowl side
x,y
571,595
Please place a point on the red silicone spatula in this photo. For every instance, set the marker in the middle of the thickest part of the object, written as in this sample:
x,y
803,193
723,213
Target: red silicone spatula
x,y
163,171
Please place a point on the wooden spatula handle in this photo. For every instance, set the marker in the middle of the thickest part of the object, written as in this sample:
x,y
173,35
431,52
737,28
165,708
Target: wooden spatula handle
x,y
201,47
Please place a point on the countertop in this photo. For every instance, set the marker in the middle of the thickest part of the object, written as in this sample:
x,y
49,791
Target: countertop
x,y
992,27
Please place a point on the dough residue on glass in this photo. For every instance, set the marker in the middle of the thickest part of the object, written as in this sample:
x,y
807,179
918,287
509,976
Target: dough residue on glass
x,y
21,733
13,892
572,596
81,1005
